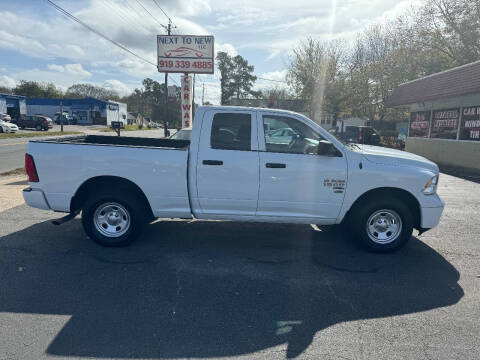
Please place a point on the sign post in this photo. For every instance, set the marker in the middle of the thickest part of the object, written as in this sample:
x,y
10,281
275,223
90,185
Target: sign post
x,y
187,54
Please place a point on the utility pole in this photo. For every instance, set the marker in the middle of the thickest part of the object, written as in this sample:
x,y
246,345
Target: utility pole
x,y
203,93
193,101
165,121
61,116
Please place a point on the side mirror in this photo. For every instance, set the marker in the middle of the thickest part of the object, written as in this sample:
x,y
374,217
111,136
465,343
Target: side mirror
x,y
326,148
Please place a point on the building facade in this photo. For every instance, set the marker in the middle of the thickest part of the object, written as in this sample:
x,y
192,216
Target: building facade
x,y
13,105
444,123
87,111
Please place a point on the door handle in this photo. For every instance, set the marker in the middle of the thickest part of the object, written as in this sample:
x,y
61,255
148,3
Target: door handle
x,y
212,162
275,165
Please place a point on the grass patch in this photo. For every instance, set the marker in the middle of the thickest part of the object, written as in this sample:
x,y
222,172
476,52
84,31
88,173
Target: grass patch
x,y
19,171
128,128
38,133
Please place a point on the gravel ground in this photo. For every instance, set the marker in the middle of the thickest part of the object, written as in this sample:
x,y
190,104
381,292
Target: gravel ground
x,y
196,289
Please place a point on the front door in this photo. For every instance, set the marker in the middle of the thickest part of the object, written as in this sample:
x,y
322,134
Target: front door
x,y
295,181
227,164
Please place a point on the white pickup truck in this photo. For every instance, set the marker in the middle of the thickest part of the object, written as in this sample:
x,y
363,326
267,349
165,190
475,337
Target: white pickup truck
x,y
237,166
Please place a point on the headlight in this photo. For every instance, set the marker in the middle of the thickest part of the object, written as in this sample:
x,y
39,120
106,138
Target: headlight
x,y
430,187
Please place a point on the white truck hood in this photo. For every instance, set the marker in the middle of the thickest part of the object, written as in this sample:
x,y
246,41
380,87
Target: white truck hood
x,y
386,156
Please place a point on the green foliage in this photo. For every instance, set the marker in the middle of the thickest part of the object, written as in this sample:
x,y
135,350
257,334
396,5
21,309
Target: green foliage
x,y
236,77
89,90
356,81
150,102
35,89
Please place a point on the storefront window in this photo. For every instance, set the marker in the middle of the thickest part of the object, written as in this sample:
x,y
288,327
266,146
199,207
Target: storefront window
x,y
470,127
419,124
445,124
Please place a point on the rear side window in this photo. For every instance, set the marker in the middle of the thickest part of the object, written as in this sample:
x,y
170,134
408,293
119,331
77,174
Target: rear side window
x,y
231,131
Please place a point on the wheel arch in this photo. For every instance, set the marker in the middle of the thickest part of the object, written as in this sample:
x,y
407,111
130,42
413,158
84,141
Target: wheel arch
x,y
401,194
98,183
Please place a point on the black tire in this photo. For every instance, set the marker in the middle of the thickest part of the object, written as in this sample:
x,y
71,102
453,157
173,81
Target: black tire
x,y
38,127
1,130
385,211
130,203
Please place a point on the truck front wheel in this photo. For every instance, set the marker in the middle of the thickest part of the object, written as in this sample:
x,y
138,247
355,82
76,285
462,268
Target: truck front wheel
x,y
383,225
112,220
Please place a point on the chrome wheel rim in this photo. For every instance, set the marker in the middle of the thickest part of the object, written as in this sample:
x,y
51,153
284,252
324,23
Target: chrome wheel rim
x,y
384,226
111,219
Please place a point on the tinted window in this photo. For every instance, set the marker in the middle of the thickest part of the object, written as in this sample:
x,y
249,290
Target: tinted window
x,y
231,131
290,136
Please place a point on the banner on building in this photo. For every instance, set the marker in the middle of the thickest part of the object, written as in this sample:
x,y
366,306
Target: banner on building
x,y
186,101
470,127
445,124
187,54
419,124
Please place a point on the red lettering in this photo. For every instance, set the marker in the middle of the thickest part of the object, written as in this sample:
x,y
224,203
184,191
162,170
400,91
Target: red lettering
x,y
186,107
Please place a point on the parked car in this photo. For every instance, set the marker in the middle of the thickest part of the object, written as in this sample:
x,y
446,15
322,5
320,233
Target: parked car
x,y
182,134
67,119
5,117
37,122
7,127
230,171
359,135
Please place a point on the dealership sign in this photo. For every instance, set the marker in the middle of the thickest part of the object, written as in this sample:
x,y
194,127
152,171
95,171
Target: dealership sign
x,y
188,54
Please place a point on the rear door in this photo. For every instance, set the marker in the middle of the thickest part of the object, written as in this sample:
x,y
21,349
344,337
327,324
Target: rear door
x,y
228,163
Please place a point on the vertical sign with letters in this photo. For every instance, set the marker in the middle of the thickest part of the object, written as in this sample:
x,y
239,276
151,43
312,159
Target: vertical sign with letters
x,y
186,101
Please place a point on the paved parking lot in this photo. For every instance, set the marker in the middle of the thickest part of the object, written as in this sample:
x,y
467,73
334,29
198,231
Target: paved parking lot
x,y
193,289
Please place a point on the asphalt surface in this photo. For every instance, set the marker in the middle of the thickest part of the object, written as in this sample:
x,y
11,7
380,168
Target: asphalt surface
x,y
12,151
196,289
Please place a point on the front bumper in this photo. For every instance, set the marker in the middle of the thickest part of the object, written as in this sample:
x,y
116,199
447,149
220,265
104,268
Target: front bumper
x,y
431,215
35,198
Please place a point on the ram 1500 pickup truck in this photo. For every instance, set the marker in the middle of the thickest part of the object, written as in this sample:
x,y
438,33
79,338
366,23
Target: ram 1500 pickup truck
x,y
235,168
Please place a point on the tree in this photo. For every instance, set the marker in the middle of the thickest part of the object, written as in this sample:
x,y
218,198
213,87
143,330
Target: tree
x,y
242,77
236,77
150,102
315,74
35,89
225,65
89,90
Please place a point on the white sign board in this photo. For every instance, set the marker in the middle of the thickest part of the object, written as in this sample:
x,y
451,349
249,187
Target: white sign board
x,y
186,101
185,54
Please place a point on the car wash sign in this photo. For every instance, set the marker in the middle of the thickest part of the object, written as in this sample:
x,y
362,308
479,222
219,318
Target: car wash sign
x,y
185,54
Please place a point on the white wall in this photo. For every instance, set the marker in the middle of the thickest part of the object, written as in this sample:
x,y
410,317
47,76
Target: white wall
x,y
456,153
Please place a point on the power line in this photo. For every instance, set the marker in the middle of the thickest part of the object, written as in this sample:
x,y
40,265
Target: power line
x,y
280,81
149,13
164,13
66,13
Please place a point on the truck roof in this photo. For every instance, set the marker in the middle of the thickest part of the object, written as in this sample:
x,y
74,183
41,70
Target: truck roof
x,y
247,108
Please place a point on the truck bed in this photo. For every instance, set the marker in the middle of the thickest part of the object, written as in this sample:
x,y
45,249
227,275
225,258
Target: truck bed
x,y
120,141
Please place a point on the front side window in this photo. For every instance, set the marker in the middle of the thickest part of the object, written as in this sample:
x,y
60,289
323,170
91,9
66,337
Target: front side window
x,y
231,131
288,135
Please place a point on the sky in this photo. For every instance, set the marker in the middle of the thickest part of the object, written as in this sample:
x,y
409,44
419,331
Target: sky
x,y
39,43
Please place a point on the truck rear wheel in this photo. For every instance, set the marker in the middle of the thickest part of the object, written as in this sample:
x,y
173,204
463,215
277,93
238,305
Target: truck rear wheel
x,y
382,225
112,220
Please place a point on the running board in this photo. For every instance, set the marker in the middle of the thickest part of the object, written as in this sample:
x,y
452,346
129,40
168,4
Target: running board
x,y
65,218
